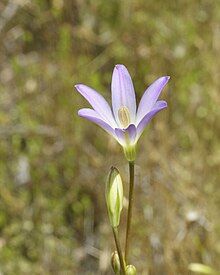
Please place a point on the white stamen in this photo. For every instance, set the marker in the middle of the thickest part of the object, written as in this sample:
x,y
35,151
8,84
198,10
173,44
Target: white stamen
x,y
124,116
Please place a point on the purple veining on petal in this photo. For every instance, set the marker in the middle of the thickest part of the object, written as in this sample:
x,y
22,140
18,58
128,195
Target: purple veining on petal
x,y
150,97
98,102
158,106
122,91
95,117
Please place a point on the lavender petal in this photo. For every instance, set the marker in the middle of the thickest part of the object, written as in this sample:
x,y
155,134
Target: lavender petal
x,y
95,117
150,97
120,134
98,102
122,91
158,106
132,133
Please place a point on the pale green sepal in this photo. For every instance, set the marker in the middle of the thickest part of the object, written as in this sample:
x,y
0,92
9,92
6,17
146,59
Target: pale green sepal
x,y
114,196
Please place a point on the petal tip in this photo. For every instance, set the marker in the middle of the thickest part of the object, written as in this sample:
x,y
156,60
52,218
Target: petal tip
x,y
80,112
77,86
166,78
119,66
162,104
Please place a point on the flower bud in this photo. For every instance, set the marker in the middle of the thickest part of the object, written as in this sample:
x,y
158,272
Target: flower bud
x,y
114,196
115,262
130,270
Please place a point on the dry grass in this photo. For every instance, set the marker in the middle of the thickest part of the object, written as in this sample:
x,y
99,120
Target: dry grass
x,y
53,219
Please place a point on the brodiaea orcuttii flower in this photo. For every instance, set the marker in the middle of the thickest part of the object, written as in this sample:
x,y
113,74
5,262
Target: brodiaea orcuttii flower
x,y
124,122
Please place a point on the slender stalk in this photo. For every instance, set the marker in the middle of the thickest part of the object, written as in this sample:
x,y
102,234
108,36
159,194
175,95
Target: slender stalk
x,y
118,246
129,216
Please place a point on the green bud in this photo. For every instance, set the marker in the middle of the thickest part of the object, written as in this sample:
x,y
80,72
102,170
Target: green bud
x,y
115,262
114,196
130,270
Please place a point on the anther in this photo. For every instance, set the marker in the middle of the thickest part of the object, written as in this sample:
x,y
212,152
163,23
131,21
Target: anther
x,y
124,116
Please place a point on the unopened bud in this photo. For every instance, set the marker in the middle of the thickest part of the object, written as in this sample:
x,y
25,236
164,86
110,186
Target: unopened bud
x,y
130,270
114,196
115,262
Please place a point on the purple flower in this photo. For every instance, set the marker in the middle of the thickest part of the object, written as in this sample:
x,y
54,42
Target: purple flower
x,y
125,122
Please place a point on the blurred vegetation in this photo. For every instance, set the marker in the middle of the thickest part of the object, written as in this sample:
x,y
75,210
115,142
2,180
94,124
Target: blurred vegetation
x,y
53,164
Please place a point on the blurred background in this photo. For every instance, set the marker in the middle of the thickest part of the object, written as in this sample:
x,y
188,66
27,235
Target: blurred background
x,y
53,164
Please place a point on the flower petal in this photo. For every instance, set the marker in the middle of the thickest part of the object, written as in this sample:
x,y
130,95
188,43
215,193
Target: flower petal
x,y
150,97
158,106
132,133
95,117
120,136
126,136
98,102
123,94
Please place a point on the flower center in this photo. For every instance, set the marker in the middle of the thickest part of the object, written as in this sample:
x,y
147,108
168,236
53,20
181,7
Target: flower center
x,y
124,116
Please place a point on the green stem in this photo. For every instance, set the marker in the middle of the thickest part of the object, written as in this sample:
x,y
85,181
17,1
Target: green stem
x,y
121,258
129,216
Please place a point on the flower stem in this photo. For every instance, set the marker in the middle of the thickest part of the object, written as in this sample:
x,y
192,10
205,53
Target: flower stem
x,y
129,216
118,246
